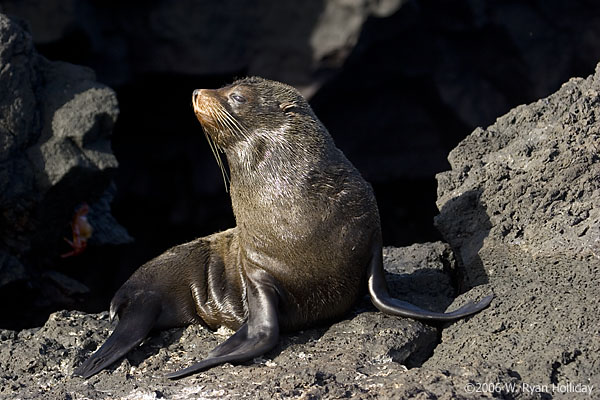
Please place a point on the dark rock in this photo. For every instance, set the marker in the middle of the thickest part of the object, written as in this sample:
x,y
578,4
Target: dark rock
x,y
55,124
279,40
419,79
11,269
397,83
68,285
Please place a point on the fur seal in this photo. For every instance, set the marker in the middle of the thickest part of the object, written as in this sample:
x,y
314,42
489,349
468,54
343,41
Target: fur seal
x,y
307,239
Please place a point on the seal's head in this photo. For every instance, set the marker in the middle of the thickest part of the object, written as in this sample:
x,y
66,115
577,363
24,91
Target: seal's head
x,y
233,112
260,125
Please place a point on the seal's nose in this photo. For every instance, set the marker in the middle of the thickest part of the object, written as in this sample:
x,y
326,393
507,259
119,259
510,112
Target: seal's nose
x,y
195,95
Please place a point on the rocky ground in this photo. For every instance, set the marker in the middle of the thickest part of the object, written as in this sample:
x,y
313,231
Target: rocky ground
x,y
362,356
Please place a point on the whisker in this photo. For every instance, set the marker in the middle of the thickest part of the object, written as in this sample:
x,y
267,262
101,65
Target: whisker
x,y
216,150
239,127
229,123
222,120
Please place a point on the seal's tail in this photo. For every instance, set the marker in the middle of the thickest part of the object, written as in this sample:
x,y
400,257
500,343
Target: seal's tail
x,y
381,298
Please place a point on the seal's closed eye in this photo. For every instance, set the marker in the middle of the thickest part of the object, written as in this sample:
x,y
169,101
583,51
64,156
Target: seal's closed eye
x,y
237,97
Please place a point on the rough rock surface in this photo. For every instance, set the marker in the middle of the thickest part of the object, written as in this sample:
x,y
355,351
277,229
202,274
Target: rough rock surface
x,y
55,124
530,181
521,208
542,327
363,356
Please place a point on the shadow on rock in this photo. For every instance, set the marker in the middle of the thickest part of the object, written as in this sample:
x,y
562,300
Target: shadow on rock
x,y
464,222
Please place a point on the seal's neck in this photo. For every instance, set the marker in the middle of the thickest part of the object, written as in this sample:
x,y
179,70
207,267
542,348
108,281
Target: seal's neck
x,y
274,161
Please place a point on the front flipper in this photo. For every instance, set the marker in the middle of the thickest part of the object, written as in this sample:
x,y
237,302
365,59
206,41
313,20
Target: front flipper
x,y
135,322
255,337
389,305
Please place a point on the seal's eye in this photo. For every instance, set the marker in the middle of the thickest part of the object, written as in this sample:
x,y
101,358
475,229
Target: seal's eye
x,y
238,98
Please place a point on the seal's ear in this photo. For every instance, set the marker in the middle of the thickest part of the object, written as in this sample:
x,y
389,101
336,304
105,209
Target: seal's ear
x,y
289,107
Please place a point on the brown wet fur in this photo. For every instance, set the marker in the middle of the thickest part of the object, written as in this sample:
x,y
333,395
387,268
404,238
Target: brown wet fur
x,y
304,214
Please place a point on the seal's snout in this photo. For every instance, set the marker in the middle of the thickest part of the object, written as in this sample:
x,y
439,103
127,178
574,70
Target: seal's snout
x,y
197,100
195,96
201,98
196,93
205,106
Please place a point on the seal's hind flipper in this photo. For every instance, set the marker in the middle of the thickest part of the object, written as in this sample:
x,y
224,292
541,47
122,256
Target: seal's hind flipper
x,y
255,337
389,305
134,325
